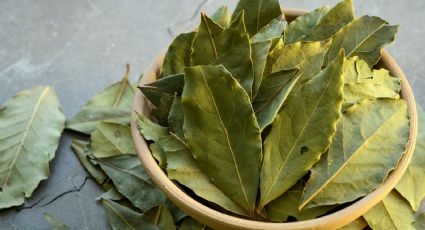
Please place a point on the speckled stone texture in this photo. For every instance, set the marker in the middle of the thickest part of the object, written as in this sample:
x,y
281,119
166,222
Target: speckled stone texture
x,y
81,46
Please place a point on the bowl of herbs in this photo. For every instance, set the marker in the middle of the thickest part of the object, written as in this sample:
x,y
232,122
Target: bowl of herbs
x,y
277,119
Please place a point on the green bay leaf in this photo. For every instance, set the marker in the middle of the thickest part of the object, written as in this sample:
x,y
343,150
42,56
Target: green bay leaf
x,y
357,224
338,17
55,223
222,17
272,30
229,47
82,150
363,37
362,153
178,55
191,224
260,52
258,13
273,55
149,129
31,124
411,185
303,129
111,139
222,132
393,212
273,91
176,118
161,217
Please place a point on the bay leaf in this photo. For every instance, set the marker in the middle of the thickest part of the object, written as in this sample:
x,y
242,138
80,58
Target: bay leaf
x,y
274,54
362,153
229,47
304,129
112,104
272,30
176,118
131,181
191,224
305,56
150,130
111,139
82,150
411,185
338,17
31,124
121,217
158,154
362,83
222,17
55,223
287,206
303,25
161,217
178,55
222,132
260,52
420,220
363,37
358,224
182,167
258,13
393,212
111,194
272,93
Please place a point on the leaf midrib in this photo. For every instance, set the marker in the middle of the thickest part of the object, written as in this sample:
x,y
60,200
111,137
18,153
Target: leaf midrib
x,y
119,214
365,39
24,137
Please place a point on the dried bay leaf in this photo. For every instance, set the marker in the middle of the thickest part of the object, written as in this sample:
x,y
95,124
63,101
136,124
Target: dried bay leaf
x,y
287,205
313,109
31,124
218,117
182,167
150,130
191,224
274,54
393,212
370,140
230,47
258,13
338,17
55,223
272,30
411,185
131,180
273,91
358,224
370,34
176,118
161,217
82,150
222,17
121,217
112,104
302,25
110,139
178,55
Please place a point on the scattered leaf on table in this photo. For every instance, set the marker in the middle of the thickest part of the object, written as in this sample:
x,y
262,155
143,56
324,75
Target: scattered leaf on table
x,y
222,16
302,25
182,167
31,124
55,223
229,47
218,117
111,139
121,217
411,185
287,205
273,91
258,13
161,217
305,56
362,83
272,30
112,104
178,55
189,223
82,150
332,22
131,180
176,118
370,139
358,224
370,34
304,129
393,212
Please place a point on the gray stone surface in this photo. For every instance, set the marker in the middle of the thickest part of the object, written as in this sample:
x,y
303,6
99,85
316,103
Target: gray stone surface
x,y
81,46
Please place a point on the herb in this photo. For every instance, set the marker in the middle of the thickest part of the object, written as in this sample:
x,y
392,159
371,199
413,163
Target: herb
x,y
55,224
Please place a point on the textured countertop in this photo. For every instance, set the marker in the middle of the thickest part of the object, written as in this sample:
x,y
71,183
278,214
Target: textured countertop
x,y
81,46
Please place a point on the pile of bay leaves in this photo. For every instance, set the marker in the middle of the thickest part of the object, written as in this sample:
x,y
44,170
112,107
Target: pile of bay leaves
x,y
276,121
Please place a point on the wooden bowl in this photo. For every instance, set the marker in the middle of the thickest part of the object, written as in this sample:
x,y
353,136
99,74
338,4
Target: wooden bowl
x,y
221,221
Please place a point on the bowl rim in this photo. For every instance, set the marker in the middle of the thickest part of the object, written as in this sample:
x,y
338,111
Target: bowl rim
x,y
218,220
